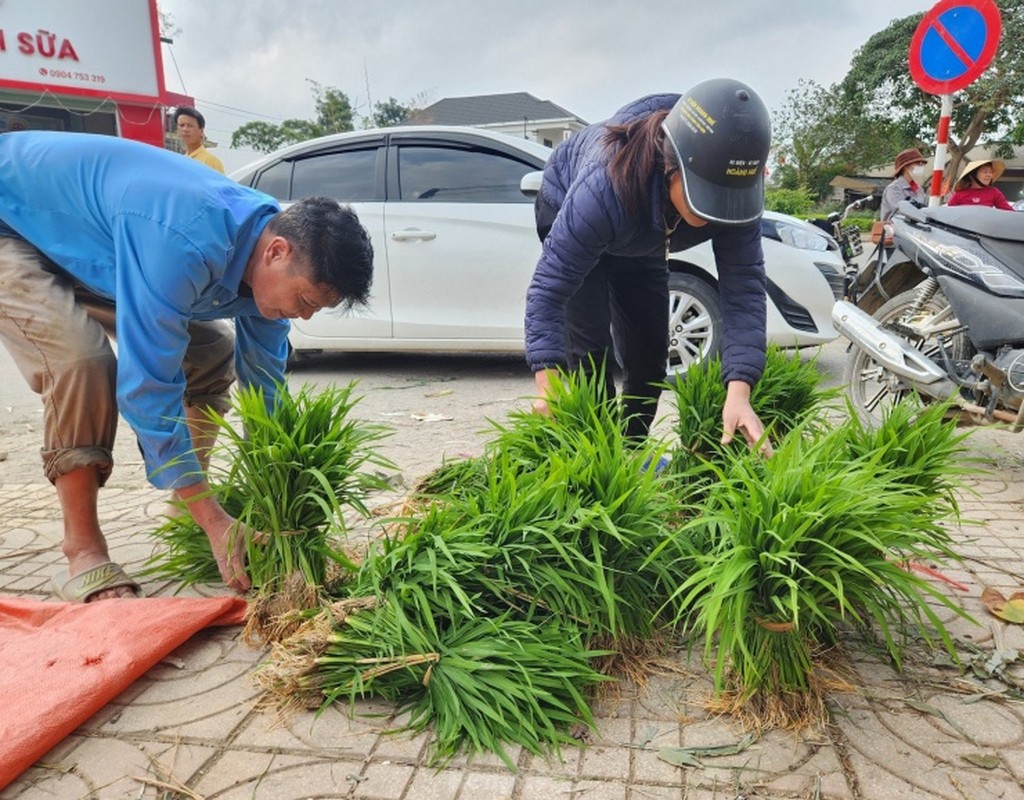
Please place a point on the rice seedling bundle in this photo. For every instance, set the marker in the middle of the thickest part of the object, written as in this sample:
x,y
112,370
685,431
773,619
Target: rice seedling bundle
x,y
814,539
569,513
288,474
482,683
788,395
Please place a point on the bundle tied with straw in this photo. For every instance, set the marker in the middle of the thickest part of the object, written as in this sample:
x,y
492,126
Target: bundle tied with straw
x,y
288,474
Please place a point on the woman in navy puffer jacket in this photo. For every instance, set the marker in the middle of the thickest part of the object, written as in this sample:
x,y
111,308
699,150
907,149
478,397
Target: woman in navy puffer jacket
x,y
665,173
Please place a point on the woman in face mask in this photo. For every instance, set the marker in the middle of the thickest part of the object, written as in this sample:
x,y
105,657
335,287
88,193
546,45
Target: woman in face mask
x,y
974,187
910,170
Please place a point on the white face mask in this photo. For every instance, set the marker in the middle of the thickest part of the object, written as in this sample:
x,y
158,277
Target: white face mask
x,y
919,172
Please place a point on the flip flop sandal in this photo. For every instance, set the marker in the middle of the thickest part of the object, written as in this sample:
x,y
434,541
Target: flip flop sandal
x,y
103,576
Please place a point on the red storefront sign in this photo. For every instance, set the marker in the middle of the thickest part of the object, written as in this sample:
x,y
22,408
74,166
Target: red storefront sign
x,y
68,53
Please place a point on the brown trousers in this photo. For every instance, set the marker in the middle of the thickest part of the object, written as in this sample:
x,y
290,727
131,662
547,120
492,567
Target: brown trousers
x,y
57,333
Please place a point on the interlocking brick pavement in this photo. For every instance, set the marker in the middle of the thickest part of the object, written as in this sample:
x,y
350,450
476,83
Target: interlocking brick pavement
x,y
190,720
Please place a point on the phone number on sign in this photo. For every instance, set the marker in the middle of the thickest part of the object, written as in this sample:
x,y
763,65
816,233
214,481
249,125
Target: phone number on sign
x,y
86,77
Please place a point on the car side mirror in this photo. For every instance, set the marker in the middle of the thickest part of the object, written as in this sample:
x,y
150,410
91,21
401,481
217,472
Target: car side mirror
x,y
530,184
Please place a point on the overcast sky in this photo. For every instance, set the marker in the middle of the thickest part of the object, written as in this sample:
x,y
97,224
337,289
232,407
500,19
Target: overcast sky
x,y
255,60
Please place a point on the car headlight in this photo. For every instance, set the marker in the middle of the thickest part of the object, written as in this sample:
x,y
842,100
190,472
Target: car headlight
x,y
799,237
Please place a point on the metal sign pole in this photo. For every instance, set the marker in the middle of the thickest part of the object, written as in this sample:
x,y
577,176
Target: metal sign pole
x,y
941,140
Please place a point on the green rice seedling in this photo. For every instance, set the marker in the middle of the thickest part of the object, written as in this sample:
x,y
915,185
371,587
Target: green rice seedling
x,y
574,537
560,521
698,396
184,554
489,593
920,444
800,544
569,538
789,394
482,683
287,473
576,510
299,464
579,408
456,478
435,561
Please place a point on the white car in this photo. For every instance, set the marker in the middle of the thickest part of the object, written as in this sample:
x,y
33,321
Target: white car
x,y
455,245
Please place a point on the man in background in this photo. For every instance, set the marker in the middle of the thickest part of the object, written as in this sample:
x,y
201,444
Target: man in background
x,y
191,127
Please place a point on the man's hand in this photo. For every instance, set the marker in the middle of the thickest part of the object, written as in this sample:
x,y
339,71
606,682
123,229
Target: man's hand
x,y
737,414
542,378
226,534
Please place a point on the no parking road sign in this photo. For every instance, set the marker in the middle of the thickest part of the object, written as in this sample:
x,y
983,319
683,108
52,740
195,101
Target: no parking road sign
x,y
954,43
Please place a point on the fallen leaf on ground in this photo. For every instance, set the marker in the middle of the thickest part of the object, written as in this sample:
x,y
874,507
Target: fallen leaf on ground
x,y
432,417
1010,609
983,760
690,756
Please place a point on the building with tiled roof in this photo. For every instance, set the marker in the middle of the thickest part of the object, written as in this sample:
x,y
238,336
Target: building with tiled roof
x,y
514,113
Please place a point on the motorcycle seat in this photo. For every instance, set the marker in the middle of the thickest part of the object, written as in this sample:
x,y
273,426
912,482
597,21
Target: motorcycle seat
x,y
992,223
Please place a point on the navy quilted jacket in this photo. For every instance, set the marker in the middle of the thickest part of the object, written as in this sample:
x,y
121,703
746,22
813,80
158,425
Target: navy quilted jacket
x,y
591,221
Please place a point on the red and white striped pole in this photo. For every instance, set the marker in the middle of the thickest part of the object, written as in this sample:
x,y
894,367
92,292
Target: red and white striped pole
x,y
942,139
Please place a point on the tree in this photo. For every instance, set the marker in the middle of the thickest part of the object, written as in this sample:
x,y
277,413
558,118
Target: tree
x,y
391,112
990,108
819,134
334,114
387,114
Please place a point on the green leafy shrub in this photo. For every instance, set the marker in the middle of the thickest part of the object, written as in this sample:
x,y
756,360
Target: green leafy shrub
x,y
796,202
862,221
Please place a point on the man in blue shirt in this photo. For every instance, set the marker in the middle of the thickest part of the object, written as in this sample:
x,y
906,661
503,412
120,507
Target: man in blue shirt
x,y
99,233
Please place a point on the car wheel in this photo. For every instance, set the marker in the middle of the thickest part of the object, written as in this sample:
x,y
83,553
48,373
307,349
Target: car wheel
x,y
694,321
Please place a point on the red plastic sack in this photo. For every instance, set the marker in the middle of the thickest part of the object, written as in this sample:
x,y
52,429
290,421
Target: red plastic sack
x,y
60,663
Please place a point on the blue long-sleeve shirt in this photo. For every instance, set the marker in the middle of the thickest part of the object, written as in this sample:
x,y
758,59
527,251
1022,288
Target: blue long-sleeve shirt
x,y
167,239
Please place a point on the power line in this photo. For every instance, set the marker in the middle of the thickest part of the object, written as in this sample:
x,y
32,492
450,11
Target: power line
x,y
233,109
239,110
175,62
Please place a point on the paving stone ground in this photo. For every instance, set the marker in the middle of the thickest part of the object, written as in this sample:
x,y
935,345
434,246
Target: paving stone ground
x,y
188,728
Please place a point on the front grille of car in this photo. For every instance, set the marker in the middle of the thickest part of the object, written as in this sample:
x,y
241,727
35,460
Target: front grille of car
x,y
795,314
836,280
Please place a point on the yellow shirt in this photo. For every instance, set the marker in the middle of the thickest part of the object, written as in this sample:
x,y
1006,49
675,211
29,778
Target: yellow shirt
x,y
204,156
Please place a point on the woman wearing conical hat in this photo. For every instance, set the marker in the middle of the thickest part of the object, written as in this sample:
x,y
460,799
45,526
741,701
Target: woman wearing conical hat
x,y
975,187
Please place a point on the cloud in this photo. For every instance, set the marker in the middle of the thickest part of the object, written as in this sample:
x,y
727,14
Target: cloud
x,y
255,60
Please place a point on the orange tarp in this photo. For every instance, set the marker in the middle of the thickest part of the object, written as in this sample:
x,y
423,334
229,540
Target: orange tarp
x,y
60,663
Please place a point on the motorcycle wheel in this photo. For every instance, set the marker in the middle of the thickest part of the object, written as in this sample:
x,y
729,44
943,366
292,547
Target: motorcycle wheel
x,y
873,389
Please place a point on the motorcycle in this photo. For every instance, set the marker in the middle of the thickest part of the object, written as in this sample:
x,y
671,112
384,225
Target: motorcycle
x,y
848,238
958,335
887,271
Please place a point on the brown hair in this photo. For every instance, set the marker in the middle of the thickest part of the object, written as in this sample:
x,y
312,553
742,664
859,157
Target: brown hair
x,y
642,151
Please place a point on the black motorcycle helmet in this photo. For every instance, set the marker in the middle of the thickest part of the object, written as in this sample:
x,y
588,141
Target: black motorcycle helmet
x,y
720,131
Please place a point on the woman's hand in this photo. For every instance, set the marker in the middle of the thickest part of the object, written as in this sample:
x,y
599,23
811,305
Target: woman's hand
x,y
542,378
738,415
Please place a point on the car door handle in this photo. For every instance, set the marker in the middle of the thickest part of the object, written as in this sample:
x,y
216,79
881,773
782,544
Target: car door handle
x,y
409,234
